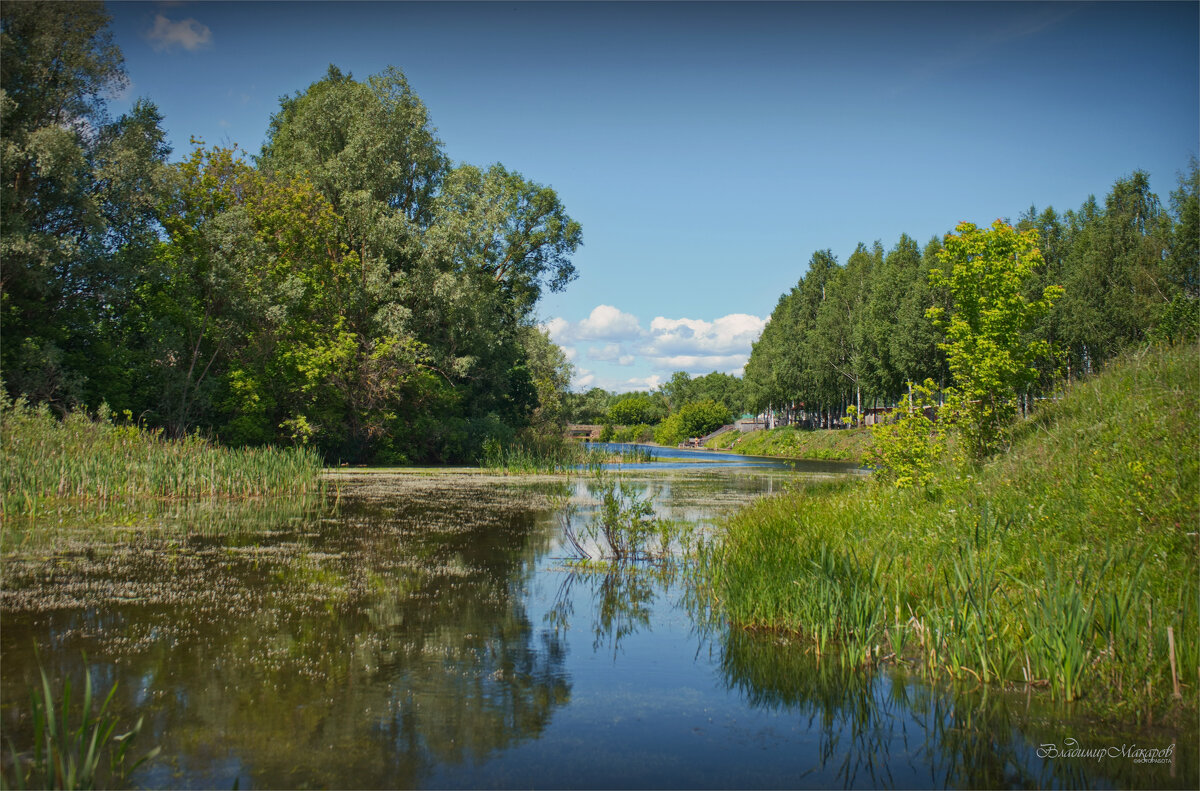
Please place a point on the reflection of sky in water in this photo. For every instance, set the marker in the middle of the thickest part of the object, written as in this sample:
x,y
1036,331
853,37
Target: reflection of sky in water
x,y
427,632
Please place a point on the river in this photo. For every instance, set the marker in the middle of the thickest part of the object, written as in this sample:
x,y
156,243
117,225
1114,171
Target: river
x,y
430,630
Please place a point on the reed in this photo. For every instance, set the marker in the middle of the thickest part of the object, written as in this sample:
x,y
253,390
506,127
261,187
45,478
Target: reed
x,y
68,754
533,454
1059,565
46,463
538,454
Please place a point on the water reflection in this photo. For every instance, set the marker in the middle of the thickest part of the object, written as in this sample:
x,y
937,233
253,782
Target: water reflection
x,y
430,631
386,639
885,729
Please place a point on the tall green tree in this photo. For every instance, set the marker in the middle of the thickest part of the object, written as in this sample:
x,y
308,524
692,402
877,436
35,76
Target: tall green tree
x,y
990,355
76,202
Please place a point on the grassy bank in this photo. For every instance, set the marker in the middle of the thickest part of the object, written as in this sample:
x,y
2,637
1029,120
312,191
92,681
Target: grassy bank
x,y
48,464
1062,563
793,443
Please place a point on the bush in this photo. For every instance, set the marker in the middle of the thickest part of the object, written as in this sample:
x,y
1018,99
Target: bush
x,y
907,451
692,420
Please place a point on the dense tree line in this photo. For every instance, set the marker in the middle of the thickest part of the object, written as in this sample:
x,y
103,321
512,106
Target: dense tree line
x,y
349,287
651,407
857,334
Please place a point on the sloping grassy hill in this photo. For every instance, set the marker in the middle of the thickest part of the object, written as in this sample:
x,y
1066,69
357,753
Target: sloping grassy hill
x,y
793,443
1061,563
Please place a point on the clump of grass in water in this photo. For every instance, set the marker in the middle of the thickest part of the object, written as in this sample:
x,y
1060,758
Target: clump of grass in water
x,y
1061,564
535,454
69,756
532,454
624,527
46,463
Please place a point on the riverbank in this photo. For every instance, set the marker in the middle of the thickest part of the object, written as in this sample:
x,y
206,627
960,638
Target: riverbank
x,y
1069,563
789,442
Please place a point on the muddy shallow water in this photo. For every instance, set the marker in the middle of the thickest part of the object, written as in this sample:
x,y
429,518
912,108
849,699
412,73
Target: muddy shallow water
x,y
429,631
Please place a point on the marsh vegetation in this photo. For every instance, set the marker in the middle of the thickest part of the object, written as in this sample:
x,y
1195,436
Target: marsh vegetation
x,y
439,629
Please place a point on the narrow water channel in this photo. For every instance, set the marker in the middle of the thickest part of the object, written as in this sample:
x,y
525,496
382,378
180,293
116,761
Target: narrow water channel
x,y
428,631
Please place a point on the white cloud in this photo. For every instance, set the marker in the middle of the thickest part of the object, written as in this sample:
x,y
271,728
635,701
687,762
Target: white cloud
x,y
693,345
732,334
641,383
605,354
608,323
604,323
558,328
699,346
188,34
702,363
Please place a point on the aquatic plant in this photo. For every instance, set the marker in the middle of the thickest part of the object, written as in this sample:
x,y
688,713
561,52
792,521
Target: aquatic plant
x,y
69,755
46,463
531,454
536,454
623,526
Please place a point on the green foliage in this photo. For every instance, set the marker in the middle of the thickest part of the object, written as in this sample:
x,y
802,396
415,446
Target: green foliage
x,y
351,291
532,453
47,463
77,193
632,411
909,450
790,442
624,526
68,755
990,354
1061,562
682,389
642,432
692,420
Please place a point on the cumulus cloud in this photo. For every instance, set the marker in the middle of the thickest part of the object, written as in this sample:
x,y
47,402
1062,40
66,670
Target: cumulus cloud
x,y
187,34
732,334
610,353
702,363
699,346
558,328
608,323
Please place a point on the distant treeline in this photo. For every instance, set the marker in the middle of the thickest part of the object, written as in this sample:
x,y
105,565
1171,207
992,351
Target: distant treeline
x,y
858,333
348,287
597,406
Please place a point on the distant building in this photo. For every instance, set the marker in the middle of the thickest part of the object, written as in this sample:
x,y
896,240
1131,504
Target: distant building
x,y
748,423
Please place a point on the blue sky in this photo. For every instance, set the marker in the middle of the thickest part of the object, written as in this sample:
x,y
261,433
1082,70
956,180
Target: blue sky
x,y
709,149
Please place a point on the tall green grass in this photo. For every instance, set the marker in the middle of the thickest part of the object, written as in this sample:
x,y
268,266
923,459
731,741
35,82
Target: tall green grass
x,y
533,454
539,454
69,748
1060,564
46,462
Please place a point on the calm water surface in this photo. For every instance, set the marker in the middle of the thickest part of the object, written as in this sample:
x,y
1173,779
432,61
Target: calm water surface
x,y
427,631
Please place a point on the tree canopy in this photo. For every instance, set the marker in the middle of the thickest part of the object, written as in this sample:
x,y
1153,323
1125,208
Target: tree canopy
x,y
348,287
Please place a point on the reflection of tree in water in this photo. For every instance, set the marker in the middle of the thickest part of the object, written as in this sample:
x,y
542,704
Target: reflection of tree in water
x,y
621,595
623,555
884,730
361,651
